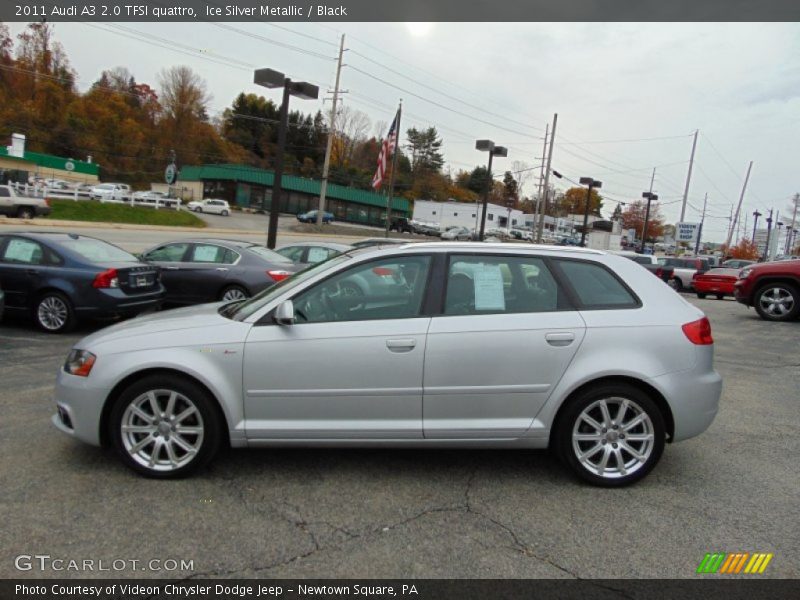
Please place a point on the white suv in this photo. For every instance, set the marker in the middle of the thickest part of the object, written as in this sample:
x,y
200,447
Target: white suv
x,y
110,191
211,205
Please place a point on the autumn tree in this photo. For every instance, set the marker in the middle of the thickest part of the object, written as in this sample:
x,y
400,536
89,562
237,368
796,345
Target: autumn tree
x,y
510,190
573,202
746,249
633,218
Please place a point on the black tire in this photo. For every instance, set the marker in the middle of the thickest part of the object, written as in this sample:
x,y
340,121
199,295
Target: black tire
x,y
569,416
790,300
53,313
720,296
210,420
25,212
701,296
224,213
234,290
677,284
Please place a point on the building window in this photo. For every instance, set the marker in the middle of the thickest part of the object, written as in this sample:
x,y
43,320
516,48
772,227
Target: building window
x,y
491,217
473,215
433,212
455,214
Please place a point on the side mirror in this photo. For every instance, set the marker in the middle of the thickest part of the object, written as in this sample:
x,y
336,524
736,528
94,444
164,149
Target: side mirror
x,y
284,314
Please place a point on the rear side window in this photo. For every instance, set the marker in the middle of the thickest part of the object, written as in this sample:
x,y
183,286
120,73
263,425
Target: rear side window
x,y
595,286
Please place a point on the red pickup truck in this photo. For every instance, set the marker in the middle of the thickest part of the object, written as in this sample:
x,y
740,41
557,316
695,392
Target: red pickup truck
x,y
772,288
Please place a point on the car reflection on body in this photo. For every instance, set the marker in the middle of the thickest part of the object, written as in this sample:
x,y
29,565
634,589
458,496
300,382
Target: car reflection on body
x,y
502,346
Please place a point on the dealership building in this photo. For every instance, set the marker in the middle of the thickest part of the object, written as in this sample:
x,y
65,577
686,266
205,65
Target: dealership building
x,y
251,188
21,166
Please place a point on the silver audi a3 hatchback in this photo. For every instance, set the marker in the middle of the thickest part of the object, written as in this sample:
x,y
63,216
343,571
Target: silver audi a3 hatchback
x,y
450,345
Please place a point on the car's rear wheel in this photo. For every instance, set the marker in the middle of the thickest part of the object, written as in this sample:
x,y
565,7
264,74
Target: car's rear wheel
x,y
720,296
611,435
25,212
53,313
777,302
224,213
700,295
233,293
676,284
164,426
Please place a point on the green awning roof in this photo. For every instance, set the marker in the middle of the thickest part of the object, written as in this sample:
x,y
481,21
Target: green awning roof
x,y
49,161
245,174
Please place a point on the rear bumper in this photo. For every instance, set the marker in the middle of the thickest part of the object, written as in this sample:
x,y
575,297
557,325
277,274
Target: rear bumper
x,y
113,302
43,211
693,398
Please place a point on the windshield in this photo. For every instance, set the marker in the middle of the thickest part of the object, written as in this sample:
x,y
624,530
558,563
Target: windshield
x,y
239,311
98,251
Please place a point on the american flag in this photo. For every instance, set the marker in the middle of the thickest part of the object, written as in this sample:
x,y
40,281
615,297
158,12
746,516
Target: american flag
x,y
387,148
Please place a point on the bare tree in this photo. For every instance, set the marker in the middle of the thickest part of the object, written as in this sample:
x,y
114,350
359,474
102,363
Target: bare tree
x,y
522,173
352,127
184,95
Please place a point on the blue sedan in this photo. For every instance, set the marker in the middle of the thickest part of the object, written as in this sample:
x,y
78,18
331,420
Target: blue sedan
x,y
311,217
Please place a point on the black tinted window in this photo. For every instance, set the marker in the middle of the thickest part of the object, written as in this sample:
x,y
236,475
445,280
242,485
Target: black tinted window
x,y
596,286
4,193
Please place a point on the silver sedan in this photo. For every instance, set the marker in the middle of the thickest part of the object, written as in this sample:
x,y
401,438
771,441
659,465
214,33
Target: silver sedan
x,y
497,346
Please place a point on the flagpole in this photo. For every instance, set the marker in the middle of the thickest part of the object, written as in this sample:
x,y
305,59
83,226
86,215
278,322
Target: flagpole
x,y
390,193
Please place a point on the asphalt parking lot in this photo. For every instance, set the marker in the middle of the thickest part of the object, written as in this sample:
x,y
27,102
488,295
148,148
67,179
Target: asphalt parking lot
x,y
393,513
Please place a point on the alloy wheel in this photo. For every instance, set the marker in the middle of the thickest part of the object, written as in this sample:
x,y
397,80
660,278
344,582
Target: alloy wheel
x,y
233,294
52,313
776,301
162,430
615,446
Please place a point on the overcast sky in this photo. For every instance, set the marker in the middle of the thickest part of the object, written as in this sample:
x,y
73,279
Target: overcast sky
x,y
612,85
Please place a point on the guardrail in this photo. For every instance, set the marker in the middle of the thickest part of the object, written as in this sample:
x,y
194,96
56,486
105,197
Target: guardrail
x,y
33,191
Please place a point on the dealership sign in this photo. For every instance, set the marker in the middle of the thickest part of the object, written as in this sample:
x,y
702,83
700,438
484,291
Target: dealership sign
x,y
686,232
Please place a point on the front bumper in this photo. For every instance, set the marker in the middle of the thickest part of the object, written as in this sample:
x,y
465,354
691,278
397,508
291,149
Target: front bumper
x,y
79,407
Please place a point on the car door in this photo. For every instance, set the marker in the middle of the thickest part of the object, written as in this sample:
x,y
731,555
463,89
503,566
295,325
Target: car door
x,y
506,335
205,271
23,264
350,367
171,259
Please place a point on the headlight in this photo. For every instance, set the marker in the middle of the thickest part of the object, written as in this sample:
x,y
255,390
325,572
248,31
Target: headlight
x,y
80,363
745,273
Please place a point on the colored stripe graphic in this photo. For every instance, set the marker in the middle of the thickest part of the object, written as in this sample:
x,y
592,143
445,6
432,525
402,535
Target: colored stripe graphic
x,y
725,563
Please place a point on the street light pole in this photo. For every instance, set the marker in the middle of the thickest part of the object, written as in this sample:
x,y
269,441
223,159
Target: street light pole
x,y
756,214
590,183
769,232
488,146
650,196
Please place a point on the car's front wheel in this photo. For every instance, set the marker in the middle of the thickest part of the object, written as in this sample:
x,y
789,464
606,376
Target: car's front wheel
x,y
676,284
233,293
224,213
611,435
164,426
777,302
701,295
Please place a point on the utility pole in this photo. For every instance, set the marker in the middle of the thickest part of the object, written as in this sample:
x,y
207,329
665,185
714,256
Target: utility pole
x,y
744,227
689,177
796,201
331,134
540,228
700,230
756,214
541,179
739,207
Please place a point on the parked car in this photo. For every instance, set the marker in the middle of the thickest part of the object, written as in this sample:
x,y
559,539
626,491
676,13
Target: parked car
x,y
23,207
366,242
311,217
110,191
213,206
457,234
685,269
60,278
737,263
718,282
311,253
505,346
773,289
401,225
207,270
57,184
424,228
649,262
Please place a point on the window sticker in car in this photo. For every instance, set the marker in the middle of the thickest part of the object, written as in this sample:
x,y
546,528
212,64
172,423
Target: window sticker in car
x,y
206,253
20,251
488,282
317,254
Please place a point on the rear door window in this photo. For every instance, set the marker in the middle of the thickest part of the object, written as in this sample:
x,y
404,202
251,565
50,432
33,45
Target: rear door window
x,y
168,253
211,253
595,286
24,252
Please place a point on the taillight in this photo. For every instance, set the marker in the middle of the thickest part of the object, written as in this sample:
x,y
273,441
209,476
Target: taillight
x,y
383,271
279,275
106,279
660,273
698,332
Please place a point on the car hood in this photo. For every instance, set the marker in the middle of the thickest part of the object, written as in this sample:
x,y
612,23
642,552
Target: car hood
x,y
201,324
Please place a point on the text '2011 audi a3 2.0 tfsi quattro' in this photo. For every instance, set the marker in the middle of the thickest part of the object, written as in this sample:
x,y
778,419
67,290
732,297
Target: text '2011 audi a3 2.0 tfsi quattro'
x,y
438,345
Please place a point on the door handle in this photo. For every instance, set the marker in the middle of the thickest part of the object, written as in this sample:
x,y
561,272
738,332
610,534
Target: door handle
x,y
561,338
32,271
221,269
401,345
170,268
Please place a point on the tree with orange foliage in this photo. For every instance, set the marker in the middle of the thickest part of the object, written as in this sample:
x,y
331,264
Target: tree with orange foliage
x,y
633,218
746,249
